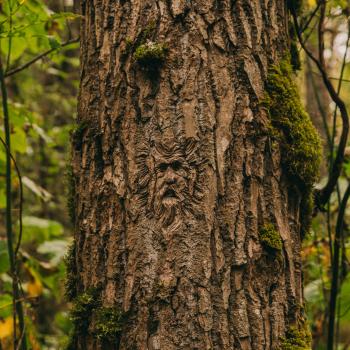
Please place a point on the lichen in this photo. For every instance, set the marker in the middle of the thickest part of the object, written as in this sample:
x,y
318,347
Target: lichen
x,y
150,55
270,238
297,338
301,145
108,323
71,275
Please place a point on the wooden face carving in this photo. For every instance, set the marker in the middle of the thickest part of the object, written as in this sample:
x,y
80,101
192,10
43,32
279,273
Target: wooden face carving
x,y
168,172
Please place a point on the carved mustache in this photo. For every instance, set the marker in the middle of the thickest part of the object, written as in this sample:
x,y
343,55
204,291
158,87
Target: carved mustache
x,y
170,191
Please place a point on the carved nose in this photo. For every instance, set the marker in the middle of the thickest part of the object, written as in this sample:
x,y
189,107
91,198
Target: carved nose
x,y
170,177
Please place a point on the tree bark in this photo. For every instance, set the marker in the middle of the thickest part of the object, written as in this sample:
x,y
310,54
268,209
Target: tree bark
x,y
175,175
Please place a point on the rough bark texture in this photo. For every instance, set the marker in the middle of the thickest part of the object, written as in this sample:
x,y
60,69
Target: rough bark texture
x,y
175,177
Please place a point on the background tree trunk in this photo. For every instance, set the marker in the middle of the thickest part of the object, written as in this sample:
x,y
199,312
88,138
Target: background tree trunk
x,y
175,175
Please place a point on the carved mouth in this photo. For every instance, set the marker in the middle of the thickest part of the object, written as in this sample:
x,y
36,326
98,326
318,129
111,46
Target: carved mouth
x,y
169,193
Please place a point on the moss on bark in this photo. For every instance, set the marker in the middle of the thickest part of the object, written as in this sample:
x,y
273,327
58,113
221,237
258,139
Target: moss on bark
x,y
297,338
270,238
292,128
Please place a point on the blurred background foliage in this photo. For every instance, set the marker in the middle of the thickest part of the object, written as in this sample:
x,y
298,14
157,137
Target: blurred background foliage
x,y
42,105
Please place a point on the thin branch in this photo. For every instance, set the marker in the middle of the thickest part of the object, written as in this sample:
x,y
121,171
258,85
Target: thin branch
x,y
321,33
20,199
332,78
17,305
323,195
10,36
39,57
310,18
335,268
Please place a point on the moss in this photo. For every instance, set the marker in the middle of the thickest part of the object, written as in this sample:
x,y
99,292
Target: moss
x,y
301,145
294,55
70,184
150,55
78,133
81,311
297,338
71,273
292,128
90,317
148,31
128,45
270,238
306,211
108,323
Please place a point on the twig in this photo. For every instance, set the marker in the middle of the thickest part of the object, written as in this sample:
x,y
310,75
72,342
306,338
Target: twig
x,y
310,18
39,57
335,268
20,200
17,305
323,195
332,78
20,341
10,36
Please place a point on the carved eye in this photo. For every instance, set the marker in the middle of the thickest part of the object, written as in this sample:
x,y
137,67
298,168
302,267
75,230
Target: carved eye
x,y
177,165
163,166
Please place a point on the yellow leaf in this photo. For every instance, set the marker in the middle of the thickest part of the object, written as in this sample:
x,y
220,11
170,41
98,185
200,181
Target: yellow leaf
x,y
312,3
34,288
6,327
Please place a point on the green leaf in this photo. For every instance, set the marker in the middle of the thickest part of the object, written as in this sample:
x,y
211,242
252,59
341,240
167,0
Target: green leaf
x,y
5,305
54,43
55,248
39,230
65,15
18,140
18,46
35,188
4,260
2,198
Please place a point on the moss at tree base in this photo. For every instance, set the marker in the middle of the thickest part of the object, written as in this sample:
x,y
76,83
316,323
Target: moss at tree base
x,y
90,317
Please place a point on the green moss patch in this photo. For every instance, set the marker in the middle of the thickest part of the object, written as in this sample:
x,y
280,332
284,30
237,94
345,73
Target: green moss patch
x,y
301,145
71,273
90,317
270,238
150,55
297,339
70,185
81,311
108,323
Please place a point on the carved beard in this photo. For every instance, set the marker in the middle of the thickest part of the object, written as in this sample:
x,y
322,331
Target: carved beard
x,y
172,201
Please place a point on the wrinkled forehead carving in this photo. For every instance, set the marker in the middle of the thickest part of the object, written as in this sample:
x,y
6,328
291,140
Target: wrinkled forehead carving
x,y
172,149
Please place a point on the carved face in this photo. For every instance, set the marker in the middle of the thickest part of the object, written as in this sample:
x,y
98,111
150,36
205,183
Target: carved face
x,y
168,177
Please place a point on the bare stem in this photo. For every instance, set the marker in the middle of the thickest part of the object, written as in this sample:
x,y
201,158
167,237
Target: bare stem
x,y
18,309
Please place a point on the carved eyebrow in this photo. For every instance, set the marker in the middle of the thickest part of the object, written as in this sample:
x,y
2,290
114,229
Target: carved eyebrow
x,y
163,166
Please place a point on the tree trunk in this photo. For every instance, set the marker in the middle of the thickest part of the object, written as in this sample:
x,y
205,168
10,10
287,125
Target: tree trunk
x,y
179,187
